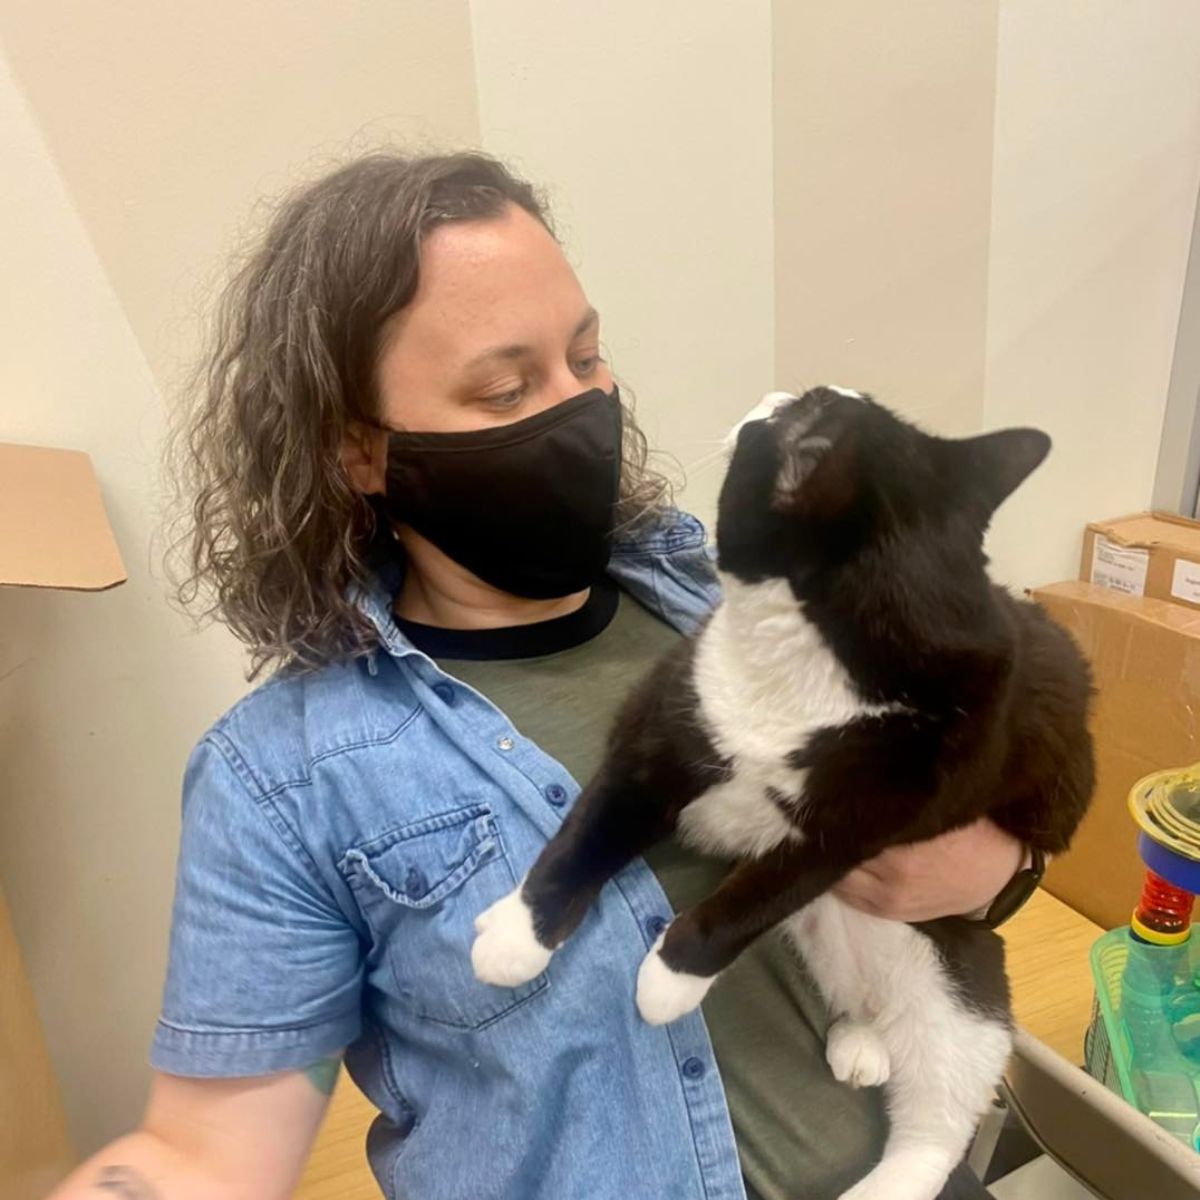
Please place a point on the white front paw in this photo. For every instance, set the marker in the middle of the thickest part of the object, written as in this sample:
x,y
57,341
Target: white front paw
x,y
506,951
857,1055
664,995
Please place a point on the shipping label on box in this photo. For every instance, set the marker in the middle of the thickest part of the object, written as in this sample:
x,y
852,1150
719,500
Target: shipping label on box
x,y
1185,581
1149,554
1123,570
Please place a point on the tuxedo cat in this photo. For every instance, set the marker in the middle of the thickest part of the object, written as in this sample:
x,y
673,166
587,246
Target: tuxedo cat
x,y
862,685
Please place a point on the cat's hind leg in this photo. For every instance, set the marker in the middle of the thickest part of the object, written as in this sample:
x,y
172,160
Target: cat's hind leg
x,y
934,999
940,1088
844,949
939,1002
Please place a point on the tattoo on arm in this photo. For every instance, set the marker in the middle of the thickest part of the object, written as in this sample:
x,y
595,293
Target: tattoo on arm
x,y
323,1074
124,1183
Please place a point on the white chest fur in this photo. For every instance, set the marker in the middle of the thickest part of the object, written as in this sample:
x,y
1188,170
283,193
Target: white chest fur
x,y
766,681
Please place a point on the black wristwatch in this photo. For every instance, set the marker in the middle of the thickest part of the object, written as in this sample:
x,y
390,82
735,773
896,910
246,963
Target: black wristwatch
x,y
1016,891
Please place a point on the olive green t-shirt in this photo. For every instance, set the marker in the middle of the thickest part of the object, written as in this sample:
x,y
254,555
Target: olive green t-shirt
x,y
798,1131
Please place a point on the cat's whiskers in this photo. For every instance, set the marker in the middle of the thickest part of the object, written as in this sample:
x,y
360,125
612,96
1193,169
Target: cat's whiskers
x,y
705,459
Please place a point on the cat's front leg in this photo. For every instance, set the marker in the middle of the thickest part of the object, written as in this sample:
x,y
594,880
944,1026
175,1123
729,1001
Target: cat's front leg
x,y
701,942
620,814
506,951
665,994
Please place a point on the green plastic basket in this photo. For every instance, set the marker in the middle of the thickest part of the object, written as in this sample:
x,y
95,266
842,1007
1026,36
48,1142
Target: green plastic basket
x,y
1144,1039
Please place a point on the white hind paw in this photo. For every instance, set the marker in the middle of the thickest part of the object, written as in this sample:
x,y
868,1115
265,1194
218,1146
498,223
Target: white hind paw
x,y
856,1055
506,951
919,1175
869,1189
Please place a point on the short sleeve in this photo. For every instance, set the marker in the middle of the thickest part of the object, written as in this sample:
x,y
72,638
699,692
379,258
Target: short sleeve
x,y
265,971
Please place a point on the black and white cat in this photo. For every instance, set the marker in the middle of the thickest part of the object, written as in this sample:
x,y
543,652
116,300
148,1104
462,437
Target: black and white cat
x,y
863,684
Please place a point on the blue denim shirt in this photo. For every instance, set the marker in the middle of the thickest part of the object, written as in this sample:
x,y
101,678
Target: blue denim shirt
x,y
341,831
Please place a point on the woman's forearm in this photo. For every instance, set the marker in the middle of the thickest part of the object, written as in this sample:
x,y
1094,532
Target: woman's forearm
x,y
142,1166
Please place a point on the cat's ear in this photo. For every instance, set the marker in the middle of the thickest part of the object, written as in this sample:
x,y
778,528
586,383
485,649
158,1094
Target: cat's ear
x,y
996,464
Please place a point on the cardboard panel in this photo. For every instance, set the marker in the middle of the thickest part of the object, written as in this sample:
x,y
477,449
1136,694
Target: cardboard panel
x,y
35,1151
1145,656
53,529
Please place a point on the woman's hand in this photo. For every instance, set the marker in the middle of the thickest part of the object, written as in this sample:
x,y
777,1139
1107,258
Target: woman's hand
x,y
956,874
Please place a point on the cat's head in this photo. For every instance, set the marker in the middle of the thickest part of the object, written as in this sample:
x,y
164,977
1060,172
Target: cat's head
x,y
820,481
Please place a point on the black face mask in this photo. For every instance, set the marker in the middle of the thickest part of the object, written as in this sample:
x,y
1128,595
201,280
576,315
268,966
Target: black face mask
x,y
528,507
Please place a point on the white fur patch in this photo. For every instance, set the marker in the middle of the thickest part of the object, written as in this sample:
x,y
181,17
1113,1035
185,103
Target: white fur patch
x,y
944,1058
736,819
766,681
766,677
664,995
847,392
506,952
762,411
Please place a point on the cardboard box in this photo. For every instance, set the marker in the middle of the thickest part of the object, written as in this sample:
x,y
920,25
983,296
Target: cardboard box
x,y
53,529
1149,554
1145,656
53,534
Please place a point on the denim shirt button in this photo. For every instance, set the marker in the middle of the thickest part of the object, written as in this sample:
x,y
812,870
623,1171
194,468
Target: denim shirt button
x,y
415,883
505,743
556,794
655,925
693,1068
445,693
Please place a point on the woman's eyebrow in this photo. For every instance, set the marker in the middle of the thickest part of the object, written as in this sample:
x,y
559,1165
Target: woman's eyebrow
x,y
590,318
517,350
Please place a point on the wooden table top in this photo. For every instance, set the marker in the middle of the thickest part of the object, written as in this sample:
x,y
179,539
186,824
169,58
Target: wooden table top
x,y
1048,945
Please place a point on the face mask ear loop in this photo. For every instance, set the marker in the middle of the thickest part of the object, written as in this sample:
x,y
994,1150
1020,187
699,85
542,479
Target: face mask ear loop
x,y
382,547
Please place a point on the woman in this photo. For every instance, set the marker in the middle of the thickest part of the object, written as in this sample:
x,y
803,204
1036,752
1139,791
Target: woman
x,y
408,502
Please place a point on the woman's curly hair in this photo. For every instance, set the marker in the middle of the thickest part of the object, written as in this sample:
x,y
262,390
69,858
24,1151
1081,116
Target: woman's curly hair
x,y
270,535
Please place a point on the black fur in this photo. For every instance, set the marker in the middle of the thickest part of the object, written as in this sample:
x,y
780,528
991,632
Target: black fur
x,y
635,798
974,959
878,529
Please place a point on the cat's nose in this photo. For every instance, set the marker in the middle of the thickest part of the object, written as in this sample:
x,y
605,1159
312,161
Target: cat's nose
x,y
766,407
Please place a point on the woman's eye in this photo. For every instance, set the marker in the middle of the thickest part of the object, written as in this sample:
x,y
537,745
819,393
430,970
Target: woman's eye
x,y
506,399
585,366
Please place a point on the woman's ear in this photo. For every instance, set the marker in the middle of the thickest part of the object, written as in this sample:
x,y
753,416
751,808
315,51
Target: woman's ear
x,y
364,455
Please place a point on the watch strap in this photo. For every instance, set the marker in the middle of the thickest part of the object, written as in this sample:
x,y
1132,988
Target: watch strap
x,y
1017,891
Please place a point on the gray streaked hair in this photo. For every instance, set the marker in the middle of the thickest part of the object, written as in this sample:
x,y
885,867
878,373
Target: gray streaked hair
x,y
269,533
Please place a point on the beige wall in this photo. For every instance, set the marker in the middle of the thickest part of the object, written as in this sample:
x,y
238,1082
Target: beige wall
x,y
982,212
883,163
167,121
651,126
134,140
1097,167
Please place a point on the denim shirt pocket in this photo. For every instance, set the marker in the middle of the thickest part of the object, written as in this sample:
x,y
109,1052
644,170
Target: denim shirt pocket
x,y
420,887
